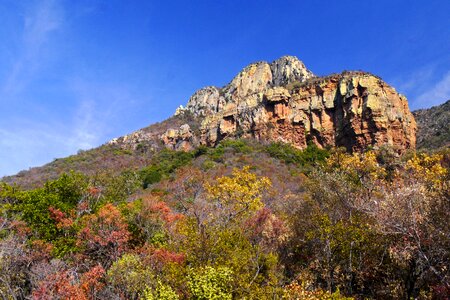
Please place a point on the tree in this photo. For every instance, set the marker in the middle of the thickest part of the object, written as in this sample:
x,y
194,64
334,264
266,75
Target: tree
x,y
104,236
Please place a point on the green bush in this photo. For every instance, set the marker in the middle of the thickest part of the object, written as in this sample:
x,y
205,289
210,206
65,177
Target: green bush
x,y
291,155
151,175
201,150
129,276
33,207
164,164
161,292
63,194
238,146
216,154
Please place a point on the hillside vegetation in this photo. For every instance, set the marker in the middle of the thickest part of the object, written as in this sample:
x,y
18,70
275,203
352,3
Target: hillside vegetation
x,y
433,126
243,220
109,158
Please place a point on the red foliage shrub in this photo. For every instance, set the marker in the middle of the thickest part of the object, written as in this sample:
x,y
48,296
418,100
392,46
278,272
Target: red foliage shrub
x,y
59,286
20,228
159,257
165,256
64,285
267,230
104,236
61,218
91,280
163,211
42,250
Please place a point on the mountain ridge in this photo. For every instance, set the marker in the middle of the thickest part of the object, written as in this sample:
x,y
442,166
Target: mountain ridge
x,y
281,101
284,101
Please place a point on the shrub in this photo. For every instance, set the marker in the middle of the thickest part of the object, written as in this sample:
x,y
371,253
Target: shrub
x,y
129,276
164,164
62,194
210,283
104,236
161,292
291,155
238,146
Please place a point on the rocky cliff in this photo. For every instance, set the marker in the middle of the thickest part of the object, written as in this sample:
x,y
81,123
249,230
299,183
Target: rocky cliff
x,y
278,101
284,101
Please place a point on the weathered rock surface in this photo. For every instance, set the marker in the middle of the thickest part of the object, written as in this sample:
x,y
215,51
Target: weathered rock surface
x,y
289,69
280,101
204,101
284,101
247,88
180,139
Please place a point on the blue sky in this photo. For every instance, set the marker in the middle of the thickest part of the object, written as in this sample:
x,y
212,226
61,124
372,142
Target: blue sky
x,y
75,74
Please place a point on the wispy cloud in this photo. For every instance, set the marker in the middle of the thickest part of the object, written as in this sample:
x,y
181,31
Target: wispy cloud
x,y
40,21
94,105
425,86
101,105
436,94
411,82
24,142
27,144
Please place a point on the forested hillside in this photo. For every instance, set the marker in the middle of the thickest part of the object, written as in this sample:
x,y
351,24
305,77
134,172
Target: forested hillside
x,y
224,150
244,220
279,185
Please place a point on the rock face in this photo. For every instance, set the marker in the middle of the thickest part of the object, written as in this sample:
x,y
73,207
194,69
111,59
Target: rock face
x,y
181,139
288,69
247,88
284,101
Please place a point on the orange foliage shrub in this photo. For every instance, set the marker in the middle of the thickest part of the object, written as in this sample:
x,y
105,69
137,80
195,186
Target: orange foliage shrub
x,y
64,285
104,235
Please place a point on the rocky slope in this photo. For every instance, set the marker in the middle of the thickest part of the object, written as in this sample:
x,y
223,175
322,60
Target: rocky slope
x,y
284,101
278,101
433,126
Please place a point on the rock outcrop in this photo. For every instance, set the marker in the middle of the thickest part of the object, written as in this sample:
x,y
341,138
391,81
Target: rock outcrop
x,y
278,101
284,101
179,139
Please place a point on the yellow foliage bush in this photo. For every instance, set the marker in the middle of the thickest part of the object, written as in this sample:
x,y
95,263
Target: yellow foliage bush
x,y
241,191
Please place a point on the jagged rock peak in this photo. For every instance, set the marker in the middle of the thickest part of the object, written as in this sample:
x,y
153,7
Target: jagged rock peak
x,y
247,87
288,69
205,101
353,109
284,101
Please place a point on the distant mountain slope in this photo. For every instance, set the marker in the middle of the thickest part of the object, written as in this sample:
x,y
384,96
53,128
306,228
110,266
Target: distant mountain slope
x,y
433,126
133,151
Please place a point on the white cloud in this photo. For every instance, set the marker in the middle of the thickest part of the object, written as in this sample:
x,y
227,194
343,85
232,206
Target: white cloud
x,y
40,22
436,94
94,107
26,145
414,81
101,104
